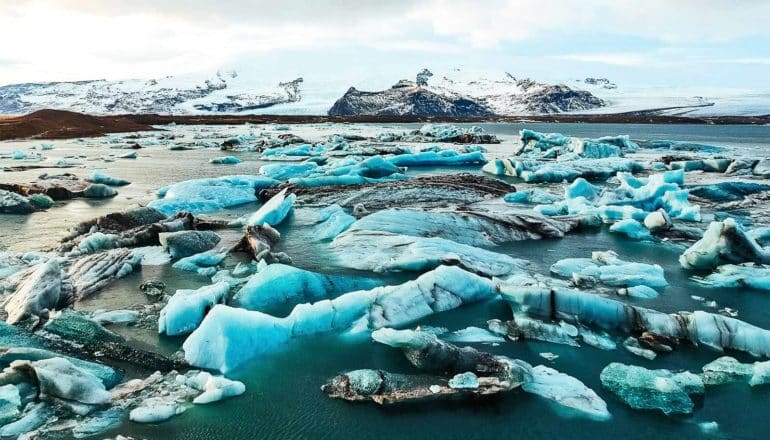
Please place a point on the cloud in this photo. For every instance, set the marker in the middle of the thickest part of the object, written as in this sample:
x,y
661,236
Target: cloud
x,y
72,39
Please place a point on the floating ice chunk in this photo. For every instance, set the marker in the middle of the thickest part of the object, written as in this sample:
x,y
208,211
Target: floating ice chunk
x,y
37,294
99,191
99,177
466,380
442,158
727,369
632,345
610,270
581,188
116,317
216,388
723,242
570,266
743,275
58,377
156,410
536,195
186,243
663,390
203,264
225,160
728,191
632,229
12,203
228,337
279,285
274,211
708,427
296,150
473,334
657,221
566,391
99,422
109,376
187,308
209,195
344,180
560,333
600,340
387,252
281,171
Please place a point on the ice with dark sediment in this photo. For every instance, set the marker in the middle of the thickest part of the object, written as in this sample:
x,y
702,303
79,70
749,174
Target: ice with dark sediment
x,y
723,243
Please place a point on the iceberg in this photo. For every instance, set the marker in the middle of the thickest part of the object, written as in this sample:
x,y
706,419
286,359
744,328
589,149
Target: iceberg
x,y
99,191
186,243
39,293
662,390
200,196
203,264
607,268
274,211
279,285
187,308
469,227
279,171
441,158
99,177
473,335
332,221
632,229
533,196
58,377
387,252
738,276
228,336
723,242
225,160
570,394
727,369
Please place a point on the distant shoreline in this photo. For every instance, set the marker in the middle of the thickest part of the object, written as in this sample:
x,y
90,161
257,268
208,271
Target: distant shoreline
x,y
60,124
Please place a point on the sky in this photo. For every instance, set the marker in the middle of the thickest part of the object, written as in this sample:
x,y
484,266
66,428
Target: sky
x,y
716,43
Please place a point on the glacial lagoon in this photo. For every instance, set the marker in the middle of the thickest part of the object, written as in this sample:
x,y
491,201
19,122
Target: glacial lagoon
x,y
283,397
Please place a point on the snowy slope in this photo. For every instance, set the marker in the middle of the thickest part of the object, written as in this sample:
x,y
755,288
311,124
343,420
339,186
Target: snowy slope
x,y
454,91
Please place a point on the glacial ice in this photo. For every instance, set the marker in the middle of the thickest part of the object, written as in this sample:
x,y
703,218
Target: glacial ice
x,y
441,158
632,229
217,388
468,227
99,191
332,221
186,243
224,160
156,410
464,381
12,203
203,264
200,196
37,294
279,285
472,335
295,150
663,390
279,171
35,415
228,336
387,252
738,275
723,242
58,377
274,211
187,308
99,177
10,403
570,394
727,369
533,196
606,268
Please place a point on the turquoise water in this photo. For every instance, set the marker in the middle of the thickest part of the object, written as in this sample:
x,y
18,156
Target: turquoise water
x,y
283,399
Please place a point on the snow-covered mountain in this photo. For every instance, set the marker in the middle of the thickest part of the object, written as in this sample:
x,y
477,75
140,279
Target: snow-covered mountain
x,y
224,93
456,92
456,95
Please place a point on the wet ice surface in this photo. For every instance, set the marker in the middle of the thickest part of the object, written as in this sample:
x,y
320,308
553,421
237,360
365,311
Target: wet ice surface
x,y
282,398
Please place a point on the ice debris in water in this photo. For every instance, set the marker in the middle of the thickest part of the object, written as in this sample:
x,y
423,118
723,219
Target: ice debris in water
x,y
738,275
532,196
241,335
199,196
187,308
281,171
441,158
662,390
186,243
535,171
632,229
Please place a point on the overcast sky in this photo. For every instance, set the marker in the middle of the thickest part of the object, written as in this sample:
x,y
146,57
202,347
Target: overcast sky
x,y
649,42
